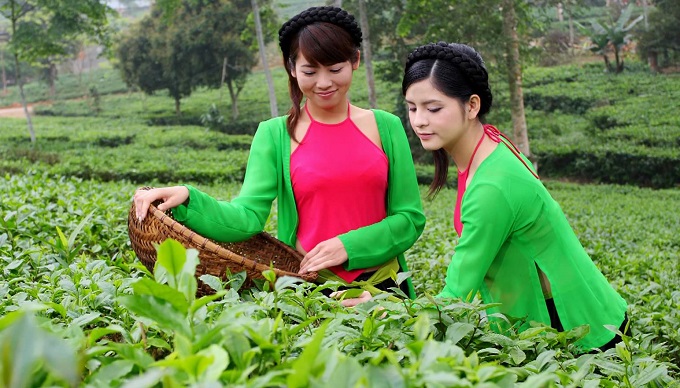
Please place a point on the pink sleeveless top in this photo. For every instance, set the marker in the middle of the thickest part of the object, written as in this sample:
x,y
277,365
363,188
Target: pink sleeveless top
x,y
497,136
339,179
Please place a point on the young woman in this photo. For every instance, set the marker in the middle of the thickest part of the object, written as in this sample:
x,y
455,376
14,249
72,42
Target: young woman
x,y
348,198
515,244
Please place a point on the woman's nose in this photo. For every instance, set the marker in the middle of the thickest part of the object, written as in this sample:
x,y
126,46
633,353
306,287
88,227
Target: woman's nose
x,y
324,81
418,120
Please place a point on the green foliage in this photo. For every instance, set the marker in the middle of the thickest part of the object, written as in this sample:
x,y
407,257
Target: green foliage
x,y
662,38
42,29
68,86
70,282
612,36
25,348
603,128
270,25
179,47
98,148
126,326
212,119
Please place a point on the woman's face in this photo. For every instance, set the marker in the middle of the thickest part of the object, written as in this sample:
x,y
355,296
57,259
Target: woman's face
x,y
324,86
437,119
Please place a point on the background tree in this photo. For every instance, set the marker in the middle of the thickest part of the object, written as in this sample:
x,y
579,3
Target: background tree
x,y
138,66
368,53
612,36
662,37
189,45
3,65
40,29
514,69
265,23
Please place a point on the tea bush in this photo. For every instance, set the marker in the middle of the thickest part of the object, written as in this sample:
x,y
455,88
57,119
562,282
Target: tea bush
x,y
81,310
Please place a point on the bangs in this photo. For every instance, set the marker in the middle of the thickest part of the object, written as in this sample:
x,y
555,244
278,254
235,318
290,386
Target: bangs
x,y
326,44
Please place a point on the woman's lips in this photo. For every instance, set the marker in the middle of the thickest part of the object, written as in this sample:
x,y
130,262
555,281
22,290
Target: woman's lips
x,y
325,94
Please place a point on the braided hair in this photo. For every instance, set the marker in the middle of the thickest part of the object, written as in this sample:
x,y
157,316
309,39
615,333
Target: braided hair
x,y
333,15
456,70
323,35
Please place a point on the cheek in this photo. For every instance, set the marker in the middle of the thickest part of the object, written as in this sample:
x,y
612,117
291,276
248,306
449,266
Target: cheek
x,y
411,117
303,83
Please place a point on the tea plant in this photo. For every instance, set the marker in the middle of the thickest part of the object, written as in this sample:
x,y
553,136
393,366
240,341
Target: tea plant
x,y
121,325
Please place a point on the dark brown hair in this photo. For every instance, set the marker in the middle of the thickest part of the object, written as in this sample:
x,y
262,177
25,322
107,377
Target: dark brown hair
x,y
325,36
456,70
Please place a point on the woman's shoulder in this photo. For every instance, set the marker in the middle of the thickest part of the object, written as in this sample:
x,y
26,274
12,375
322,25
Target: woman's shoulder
x,y
385,115
275,122
274,126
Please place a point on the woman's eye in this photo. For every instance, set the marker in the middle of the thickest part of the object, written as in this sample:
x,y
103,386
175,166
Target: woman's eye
x,y
335,71
433,110
308,72
411,108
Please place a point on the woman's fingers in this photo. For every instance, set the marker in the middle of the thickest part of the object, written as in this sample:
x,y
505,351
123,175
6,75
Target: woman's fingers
x,y
171,197
175,197
141,203
308,257
326,254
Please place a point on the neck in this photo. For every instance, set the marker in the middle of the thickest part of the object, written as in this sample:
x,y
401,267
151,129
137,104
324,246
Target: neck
x,y
329,115
462,150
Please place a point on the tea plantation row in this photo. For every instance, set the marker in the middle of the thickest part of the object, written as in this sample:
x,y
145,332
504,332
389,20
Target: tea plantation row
x,y
79,308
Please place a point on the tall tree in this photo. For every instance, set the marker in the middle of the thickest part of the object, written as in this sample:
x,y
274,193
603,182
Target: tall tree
x,y
40,29
187,44
514,66
662,38
273,106
368,55
4,72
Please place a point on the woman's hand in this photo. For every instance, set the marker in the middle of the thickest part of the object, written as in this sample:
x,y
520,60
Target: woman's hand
x,y
326,254
171,197
351,302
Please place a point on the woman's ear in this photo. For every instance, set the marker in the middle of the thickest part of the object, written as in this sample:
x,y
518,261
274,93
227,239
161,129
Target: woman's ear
x,y
291,67
473,106
355,65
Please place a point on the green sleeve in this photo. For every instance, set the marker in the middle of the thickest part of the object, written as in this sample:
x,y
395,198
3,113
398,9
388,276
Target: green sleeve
x,y
245,215
487,219
375,244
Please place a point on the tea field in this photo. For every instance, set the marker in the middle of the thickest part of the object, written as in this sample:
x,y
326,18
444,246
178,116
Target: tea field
x,y
77,308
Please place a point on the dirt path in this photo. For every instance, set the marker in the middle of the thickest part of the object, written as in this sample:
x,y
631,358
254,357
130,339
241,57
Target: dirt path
x,y
15,111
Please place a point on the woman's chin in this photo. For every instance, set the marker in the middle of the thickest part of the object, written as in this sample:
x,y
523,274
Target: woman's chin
x,y
430,146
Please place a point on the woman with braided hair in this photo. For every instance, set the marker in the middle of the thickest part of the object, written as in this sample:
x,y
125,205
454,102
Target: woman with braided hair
x,y
343,176
515,247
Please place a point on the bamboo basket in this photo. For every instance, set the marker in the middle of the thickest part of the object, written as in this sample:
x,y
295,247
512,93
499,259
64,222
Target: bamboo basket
x,y
259,253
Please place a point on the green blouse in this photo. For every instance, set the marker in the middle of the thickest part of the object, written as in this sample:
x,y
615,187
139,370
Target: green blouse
x,y
511,226
267,178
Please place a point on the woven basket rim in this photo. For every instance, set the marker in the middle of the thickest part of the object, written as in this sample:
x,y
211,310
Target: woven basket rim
x,y
207,244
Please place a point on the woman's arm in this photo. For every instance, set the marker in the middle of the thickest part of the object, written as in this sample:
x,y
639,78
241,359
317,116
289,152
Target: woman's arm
x,y
487,219
246,214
